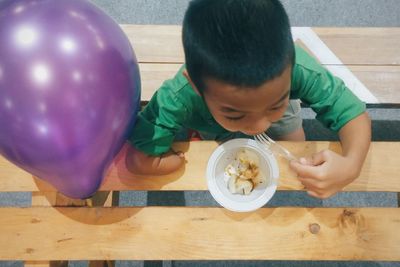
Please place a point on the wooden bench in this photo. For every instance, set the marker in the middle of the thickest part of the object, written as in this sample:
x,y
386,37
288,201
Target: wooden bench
x,y
56,228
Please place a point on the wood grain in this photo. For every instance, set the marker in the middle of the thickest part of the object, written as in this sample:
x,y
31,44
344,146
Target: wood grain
x,y
180,233
380,171
382,81
362,46
353,46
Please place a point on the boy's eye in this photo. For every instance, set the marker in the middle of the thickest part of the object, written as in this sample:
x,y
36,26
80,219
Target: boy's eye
x,y
278,107
235,118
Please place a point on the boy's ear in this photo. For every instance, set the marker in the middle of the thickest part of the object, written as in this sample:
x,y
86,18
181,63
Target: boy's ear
x,y
186,74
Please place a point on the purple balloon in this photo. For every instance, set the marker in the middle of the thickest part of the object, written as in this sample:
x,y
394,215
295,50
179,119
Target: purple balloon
x,y
69,91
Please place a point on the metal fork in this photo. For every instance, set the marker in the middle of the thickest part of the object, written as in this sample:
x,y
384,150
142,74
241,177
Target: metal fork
x,y
276,148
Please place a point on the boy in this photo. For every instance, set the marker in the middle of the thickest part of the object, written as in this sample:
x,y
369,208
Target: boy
x,y
242,75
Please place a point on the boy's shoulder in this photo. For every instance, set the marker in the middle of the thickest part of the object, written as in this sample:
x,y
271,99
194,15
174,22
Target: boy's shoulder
x,y
177,88
306,71
305,61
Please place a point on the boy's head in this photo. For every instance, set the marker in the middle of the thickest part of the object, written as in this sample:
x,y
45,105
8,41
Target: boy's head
x,y
239,49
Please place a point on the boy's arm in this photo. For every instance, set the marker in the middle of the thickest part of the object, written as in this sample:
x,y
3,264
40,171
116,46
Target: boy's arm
x,y
155,128
139,163
326,172
355,138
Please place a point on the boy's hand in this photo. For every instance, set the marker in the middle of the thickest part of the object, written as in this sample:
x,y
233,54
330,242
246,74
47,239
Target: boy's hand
x,y
139,163
325,173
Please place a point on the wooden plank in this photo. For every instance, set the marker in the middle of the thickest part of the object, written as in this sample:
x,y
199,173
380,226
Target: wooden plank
x,y
44,198
382,81
155,43
181,233
56,199
367,46
359,46
153,75
381,165
47,199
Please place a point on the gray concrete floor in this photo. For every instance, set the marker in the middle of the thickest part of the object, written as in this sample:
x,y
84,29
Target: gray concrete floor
x,y
378,13
371,13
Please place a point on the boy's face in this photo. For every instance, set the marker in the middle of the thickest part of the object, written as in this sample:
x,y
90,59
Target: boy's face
x,y
248,110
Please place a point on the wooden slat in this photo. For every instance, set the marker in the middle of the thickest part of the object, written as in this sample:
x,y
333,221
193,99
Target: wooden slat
x,y
382,81
153,75
56,199
359,46
367,46
49,199
182,233
381,165
155,43
161,43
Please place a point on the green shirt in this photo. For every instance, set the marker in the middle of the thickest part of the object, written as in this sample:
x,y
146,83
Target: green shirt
x,y
175,105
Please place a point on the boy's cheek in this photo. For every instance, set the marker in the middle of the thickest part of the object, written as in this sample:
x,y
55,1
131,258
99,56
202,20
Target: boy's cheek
x,y
277,116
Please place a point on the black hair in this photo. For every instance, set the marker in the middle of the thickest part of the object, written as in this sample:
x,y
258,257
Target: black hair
x,y
241,42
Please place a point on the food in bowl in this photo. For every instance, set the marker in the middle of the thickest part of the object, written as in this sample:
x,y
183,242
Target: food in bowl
x,y
243,173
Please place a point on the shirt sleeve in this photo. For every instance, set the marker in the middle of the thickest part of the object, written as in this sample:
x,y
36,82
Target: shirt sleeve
x,y
158,123
326,94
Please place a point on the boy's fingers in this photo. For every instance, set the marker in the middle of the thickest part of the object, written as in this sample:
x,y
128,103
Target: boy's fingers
x,y
315,185
306,161
310,167
178,153
310,188
319,158
315,160
308,171
313,194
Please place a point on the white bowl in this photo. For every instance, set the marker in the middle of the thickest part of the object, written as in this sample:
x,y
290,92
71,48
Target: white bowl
x,y
222,157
